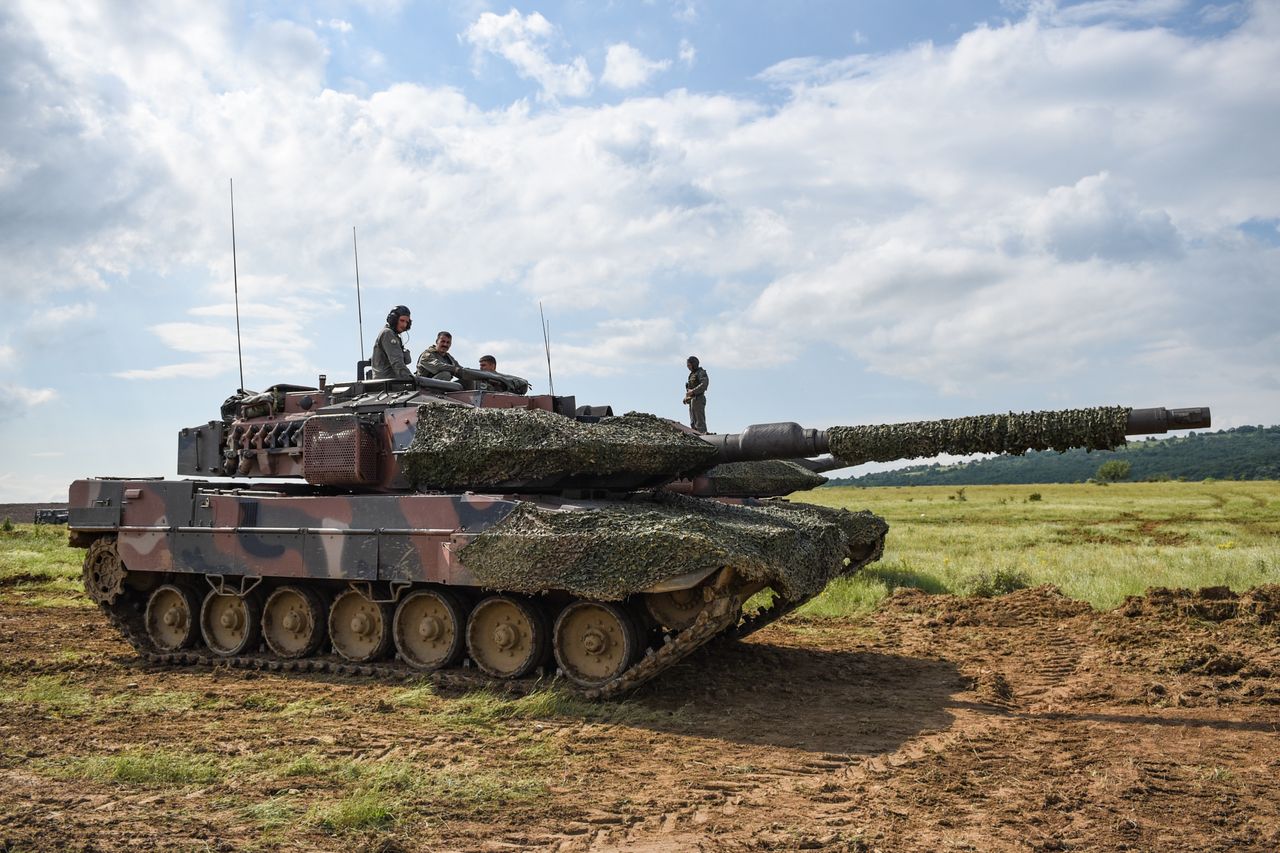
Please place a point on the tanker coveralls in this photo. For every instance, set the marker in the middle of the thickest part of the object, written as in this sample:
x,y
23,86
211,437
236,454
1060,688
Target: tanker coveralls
x,y
696,391
432,363
389,359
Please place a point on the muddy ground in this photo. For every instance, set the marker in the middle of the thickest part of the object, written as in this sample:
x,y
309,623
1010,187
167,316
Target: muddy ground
x,y
1027,722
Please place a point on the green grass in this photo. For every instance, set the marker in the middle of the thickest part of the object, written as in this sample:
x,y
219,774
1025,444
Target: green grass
x,y
485,709
1095,544
51,694
143,767
39,569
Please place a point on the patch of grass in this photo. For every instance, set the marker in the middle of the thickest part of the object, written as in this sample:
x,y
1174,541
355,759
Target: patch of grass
x,y
309,764
170,701
261,702
273,813
991,584
365,809
38,554
52,694
481,709
314,708
145,767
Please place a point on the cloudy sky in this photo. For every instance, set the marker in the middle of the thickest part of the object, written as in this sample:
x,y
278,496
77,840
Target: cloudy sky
x,y
854,212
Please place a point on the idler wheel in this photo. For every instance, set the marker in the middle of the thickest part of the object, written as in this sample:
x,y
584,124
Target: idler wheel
x,y
677,609
293,622
359,628
103,572
171,617
231,624
595,642
506,636
428,629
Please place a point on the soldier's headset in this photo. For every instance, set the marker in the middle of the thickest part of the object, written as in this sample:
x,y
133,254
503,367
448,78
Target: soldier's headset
x,y
394,317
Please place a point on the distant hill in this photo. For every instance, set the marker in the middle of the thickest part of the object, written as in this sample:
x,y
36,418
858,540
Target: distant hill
x,y
1243,453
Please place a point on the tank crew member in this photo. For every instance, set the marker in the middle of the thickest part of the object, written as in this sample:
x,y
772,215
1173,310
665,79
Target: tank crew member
x,y
390,360
435,361
489,363
695,394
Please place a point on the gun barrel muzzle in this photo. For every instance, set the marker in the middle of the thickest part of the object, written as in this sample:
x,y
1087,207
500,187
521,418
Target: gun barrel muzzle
x,y
1160,419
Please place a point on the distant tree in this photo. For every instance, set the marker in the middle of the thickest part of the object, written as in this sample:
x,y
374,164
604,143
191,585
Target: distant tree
x,y
1113,471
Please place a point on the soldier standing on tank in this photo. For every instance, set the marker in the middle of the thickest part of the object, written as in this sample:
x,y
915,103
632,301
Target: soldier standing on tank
x,y
695,394
390,360
435,361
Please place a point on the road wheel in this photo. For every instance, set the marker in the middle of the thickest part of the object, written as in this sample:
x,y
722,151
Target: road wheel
x,y
231,624
506,636
595,642
359,628
171,617
293,622
428,629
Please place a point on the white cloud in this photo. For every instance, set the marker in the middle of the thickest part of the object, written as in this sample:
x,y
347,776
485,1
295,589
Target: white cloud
x,y
338,25
1038,202
688,53
6,355
23,397
524,41
1129,10
625,67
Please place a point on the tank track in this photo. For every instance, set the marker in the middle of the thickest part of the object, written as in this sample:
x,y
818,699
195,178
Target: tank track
x,y
126,615
780,608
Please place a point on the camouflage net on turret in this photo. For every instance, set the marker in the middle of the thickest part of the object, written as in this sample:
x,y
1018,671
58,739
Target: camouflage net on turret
x,y
608,550
457,447
1100,428
767,477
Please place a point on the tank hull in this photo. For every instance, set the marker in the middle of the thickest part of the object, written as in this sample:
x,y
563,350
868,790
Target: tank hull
x,y
191,571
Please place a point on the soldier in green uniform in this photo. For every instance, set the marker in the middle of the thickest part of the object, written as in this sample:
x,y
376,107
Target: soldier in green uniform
x,y
389,359
435,361
695,394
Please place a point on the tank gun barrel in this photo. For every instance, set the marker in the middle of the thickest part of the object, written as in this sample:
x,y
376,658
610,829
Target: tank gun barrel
x,y
1102,428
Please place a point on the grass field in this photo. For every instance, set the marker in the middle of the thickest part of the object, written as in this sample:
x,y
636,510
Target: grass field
x,y
1096,543
96,746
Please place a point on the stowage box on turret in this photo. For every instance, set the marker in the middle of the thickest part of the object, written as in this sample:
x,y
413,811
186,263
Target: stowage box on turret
x,y
419,526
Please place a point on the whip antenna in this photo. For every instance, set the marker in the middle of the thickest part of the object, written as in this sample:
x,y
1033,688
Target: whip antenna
x,y
546,343
359,312
235,278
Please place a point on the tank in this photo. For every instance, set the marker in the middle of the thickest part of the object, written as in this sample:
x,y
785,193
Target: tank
x,y
397,527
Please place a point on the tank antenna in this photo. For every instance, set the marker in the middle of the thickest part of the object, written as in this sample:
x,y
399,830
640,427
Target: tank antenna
x,y
235,278
359,311
546,343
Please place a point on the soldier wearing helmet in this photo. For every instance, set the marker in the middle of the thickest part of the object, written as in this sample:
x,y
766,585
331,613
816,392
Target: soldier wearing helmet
x,y
390,360
695,394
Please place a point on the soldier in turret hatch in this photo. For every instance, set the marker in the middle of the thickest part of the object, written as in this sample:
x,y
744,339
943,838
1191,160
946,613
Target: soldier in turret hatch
x,y
435,361
695,394
390,360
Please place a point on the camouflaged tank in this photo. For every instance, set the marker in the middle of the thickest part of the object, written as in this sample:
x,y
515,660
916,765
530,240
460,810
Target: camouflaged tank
x,y
415,526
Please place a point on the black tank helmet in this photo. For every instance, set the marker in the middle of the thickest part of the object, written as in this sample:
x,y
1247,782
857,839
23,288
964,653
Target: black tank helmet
x,y
394,316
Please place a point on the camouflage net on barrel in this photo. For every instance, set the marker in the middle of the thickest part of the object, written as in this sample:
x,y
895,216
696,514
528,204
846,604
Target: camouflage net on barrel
x,y
460,447
608,550
768,477
1101,428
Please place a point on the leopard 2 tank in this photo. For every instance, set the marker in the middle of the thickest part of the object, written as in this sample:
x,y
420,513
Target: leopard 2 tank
x,y
393,527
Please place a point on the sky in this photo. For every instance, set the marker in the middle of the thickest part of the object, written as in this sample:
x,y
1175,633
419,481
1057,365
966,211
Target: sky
x,y
852,212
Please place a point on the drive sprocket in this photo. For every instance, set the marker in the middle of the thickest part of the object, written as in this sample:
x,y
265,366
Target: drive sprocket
x,y
103,573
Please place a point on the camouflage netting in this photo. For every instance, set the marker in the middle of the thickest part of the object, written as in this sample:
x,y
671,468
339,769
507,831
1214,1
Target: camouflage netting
x,y
608,550
769,477
460,447
1101,428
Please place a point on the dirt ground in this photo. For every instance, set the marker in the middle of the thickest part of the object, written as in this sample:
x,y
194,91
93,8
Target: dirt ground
x,y
1026,722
